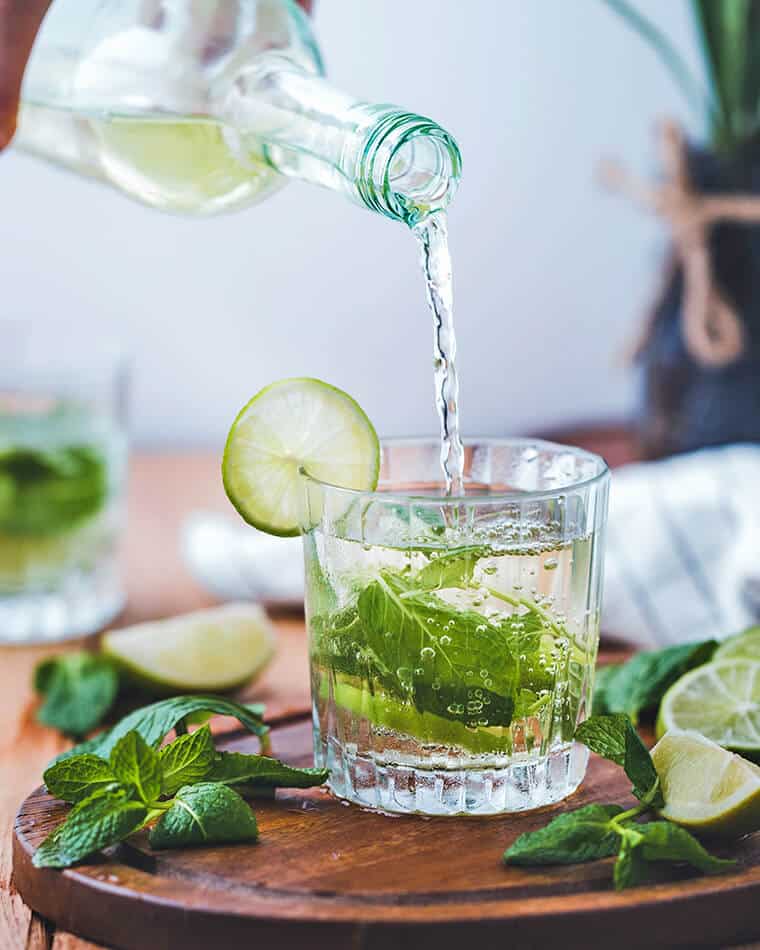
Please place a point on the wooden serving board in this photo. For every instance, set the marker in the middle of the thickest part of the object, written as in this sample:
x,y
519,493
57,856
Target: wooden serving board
x,y
327,874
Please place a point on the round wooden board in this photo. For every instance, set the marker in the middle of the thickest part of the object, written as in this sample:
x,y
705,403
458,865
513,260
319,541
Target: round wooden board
x,y
327,874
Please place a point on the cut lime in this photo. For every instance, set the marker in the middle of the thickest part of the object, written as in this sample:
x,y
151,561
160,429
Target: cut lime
x,y
391,713
292,425
718,700
706,788
742,646
208,651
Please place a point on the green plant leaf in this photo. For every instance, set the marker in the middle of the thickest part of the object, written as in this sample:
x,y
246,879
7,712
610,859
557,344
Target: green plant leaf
x,y
631,868
585,834
614,738
695,95
186,760
48,492
100,820
434,654
78,777
453,569
78,688
664,841
207,813
646,847
638,685
136,764
156,721
234,768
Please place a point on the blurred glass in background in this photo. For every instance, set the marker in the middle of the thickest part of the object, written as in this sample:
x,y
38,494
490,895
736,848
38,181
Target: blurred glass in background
x,y
63,453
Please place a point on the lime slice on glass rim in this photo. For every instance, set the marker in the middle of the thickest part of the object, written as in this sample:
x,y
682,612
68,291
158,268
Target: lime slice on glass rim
x,y
207,651
707,788
721,701
290,426
741,646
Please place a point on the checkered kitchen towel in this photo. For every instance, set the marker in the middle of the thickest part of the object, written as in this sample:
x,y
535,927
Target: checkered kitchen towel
x,y
683,547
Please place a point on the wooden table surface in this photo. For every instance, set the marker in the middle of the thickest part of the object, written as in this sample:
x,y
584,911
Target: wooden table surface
x,y
163,488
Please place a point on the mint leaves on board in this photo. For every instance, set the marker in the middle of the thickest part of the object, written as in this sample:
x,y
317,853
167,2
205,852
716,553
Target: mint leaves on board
x,y
121,781
156,721
614,738
643,849
637,686
204,813
79,689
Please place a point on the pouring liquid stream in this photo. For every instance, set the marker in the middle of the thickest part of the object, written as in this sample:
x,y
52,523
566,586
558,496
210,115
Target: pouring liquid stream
x,y
432,235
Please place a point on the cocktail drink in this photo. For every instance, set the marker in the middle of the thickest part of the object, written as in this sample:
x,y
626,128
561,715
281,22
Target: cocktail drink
x,y
62,454
453,639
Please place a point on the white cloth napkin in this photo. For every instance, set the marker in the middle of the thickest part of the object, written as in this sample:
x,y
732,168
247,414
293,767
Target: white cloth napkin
x,y
236,562
683,547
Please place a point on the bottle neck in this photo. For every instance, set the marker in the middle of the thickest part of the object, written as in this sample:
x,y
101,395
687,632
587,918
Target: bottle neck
x,y
390,161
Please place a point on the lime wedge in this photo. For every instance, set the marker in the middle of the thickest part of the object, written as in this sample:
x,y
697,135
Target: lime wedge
x,y
292,425
718,700
207,651
742,646
706,788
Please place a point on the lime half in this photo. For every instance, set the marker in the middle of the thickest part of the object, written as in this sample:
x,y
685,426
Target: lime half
x,y
742,646
207,651
292,425
706,788
718,700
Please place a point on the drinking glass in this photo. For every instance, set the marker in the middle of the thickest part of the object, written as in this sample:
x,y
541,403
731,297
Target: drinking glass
x,y
453,639
62,474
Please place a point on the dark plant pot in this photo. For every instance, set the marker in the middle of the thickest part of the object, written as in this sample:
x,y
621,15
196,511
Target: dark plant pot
x,y
687,405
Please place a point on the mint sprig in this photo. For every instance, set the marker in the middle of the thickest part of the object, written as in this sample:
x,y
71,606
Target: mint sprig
x,y
637,686
78,689
185,786
600,831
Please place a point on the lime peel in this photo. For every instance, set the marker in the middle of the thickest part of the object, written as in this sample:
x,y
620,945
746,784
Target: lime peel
x,y
290,427
213,650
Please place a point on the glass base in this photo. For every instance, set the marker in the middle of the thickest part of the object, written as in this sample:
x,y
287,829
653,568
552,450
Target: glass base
x,y
522,784
82,604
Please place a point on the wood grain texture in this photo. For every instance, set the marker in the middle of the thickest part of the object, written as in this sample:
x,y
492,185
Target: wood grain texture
x,y
348,878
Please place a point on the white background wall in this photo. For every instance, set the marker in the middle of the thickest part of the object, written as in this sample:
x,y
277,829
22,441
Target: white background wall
x,y
551,275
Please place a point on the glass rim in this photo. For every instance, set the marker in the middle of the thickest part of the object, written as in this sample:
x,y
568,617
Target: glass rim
x,y
522,495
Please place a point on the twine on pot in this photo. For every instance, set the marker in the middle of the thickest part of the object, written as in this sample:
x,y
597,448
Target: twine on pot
x,y
712,330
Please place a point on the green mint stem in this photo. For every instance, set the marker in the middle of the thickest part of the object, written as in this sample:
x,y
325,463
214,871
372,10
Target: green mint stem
x,y
634,812
524,602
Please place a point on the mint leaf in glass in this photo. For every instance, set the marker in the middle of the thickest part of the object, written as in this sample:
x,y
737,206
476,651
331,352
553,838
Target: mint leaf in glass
x,y
637,686
46,492
186,760
455,568
102,819
79,689
234,768
78,777
585,834
207,813
136,764
432,653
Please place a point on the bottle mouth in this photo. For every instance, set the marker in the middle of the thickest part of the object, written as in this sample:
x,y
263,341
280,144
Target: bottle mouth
x,y
410,168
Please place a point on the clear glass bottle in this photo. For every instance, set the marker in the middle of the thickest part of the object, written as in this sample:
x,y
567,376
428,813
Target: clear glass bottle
x,y
203,106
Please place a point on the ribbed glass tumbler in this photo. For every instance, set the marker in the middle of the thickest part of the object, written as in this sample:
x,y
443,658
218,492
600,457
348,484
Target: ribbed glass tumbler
x,y
453,639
